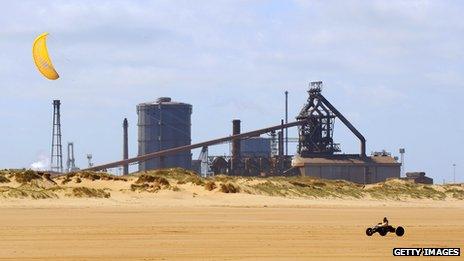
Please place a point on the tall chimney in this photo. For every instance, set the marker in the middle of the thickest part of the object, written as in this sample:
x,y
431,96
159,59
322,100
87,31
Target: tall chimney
x,y
125,147
280,138
286,121
235,147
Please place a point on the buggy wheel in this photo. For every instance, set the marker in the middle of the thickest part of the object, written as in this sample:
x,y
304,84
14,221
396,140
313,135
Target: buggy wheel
x,y
399,231
383,232
369,232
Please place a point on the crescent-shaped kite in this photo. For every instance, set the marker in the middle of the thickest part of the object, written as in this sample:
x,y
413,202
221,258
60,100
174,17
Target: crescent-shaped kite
x,y
42,59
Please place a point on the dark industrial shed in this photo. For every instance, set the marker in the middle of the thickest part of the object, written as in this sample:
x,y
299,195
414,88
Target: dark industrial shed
x,y
418,177
349,167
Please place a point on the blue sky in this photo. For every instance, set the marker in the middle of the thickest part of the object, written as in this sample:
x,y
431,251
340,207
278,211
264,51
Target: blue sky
x,y
394,68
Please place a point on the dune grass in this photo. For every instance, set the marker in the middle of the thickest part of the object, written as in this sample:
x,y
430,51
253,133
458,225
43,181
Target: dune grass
x,y
456,191
150,183
4,179
26,176
210,185
93,175
229,188
27,191
84,192
39,185
400,190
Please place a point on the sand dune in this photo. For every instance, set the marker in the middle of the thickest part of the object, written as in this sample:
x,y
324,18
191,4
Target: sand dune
x,y
181,184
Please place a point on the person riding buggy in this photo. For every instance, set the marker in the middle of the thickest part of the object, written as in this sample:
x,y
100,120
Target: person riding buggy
x,y
383,228
384,223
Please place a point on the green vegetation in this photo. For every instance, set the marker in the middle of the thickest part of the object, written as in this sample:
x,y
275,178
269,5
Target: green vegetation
x,y
268,188
27,191
150,183
26,176
399,190
92,175
210,185
40,185
4,179
307,187
66,180
229,188
456,191
144,178
84,192
172,173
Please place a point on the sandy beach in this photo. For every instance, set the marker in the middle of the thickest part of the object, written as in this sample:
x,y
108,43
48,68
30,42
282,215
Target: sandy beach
x,y
227,228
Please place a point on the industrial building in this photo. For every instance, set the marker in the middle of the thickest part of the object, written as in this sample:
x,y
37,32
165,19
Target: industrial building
x,y
418,177
163,125
349,167
256,147
164,140
317,150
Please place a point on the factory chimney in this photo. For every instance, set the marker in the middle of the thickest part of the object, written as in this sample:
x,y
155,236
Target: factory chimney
x,y
280,138
125,147
235,147
286,121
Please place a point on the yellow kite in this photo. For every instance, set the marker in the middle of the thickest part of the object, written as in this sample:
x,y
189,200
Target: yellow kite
x,y
42,59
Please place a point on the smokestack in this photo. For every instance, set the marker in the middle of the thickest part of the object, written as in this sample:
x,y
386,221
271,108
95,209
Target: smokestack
x,y
280,137
125,147
286,121
235,147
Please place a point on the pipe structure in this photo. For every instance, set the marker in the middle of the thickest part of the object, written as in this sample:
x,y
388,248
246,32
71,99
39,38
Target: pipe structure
x,y
347,123
194,146
125,147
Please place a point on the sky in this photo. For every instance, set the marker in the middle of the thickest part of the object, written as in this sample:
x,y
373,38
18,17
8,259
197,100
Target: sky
x,y
393,68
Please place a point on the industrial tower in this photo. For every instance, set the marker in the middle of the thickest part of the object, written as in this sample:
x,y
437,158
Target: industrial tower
x,y
125,150
70,162
316,134
57,153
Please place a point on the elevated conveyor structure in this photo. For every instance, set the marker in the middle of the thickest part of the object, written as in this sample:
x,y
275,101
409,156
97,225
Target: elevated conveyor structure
x,y
173,151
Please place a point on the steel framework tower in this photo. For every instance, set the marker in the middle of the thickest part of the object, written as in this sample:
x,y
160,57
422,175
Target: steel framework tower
x,y
89,159
316,135
57,153
70,162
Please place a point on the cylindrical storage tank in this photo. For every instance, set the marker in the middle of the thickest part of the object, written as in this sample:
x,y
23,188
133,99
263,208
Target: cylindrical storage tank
x,y
162,125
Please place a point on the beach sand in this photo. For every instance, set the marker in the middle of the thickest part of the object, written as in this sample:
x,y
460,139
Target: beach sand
x,y
184,226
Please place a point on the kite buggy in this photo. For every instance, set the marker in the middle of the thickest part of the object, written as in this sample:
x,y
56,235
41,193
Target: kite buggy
x,y
384,228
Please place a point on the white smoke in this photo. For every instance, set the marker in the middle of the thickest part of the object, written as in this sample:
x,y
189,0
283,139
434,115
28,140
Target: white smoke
x,y
43,163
